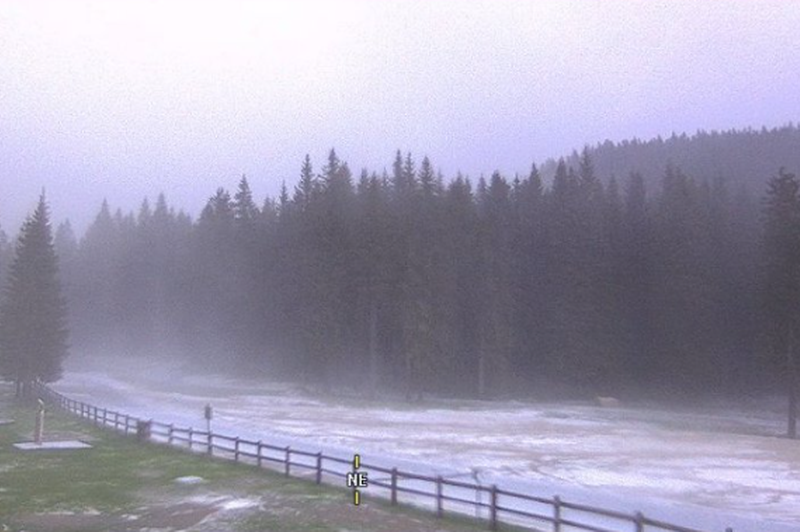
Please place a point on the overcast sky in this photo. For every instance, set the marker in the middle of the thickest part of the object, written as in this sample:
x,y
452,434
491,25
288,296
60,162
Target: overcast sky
x,y
126,99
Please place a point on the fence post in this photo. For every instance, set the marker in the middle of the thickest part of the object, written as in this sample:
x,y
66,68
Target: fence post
x,y
394,485
210,443
439,494
95,415
169,435
556,514
319,467
143,430
105,416
288,459
493,508
259,447
638,520
127,422
236,449
191,433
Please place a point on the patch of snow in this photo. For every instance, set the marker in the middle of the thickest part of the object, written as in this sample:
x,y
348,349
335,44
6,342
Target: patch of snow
x,y
52,445
702,467
239,504
190,479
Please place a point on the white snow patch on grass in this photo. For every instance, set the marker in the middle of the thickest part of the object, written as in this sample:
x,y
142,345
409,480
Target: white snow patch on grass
x,y
189,480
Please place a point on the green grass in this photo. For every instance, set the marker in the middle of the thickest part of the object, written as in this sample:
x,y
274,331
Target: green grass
x,y
107,477
120,476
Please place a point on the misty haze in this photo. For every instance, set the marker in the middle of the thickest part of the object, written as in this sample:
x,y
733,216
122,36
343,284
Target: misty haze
x,y
520,264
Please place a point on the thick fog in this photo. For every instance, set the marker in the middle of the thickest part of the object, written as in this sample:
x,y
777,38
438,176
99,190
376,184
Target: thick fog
x,y
127,100
548,245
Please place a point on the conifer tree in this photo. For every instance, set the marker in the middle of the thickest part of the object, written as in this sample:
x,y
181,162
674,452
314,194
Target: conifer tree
x,y
782,249
244,208
33,316
304,190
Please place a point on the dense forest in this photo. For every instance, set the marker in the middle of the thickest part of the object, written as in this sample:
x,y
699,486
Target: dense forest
x,y
408,282
737,156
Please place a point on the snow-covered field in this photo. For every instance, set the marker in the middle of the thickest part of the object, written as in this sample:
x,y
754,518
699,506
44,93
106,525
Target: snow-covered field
x,y
707,468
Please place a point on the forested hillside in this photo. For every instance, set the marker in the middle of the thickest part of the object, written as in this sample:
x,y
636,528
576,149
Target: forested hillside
x,y
415,283
737,156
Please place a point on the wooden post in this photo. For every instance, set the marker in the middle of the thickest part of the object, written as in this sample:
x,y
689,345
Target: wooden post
x,y
394,485
638,520
259,448
288,459
143,430
236,449
191,433
169,437
439,495
493,508
38,431
319,467
127,422
556,514
105,416
210,444
95,415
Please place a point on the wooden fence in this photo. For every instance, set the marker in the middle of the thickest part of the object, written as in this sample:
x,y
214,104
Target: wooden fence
x,y
495,505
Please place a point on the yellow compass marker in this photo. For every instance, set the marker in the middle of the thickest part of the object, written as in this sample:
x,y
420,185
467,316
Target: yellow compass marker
x,y
356,461
356,497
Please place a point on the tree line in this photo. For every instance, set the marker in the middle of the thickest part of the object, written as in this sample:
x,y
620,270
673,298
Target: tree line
x,y
405,282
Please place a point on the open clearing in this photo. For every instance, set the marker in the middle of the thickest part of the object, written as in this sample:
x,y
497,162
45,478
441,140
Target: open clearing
x,y
708,467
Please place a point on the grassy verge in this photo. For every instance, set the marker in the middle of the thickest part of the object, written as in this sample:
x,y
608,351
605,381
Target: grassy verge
x,y
122,485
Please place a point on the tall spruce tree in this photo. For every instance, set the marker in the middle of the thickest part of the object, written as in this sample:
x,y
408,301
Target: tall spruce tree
x,y
244,208
33,316
782,254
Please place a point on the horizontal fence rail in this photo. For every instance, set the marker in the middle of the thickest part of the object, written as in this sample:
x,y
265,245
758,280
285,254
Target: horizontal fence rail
x,y
488,502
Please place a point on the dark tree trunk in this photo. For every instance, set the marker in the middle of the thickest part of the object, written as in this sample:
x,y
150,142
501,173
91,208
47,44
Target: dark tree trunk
x,y
373,350
482,374
791,377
